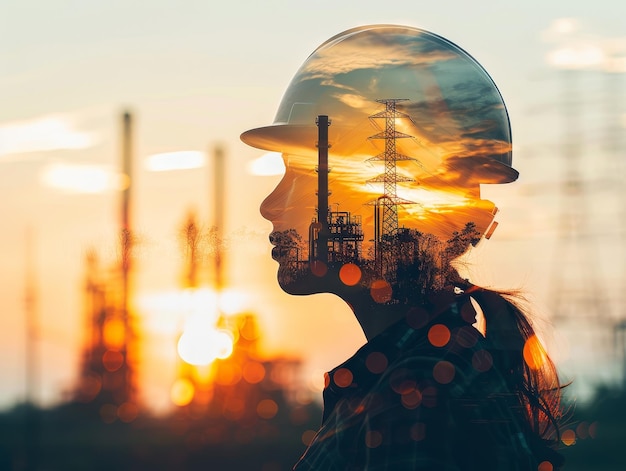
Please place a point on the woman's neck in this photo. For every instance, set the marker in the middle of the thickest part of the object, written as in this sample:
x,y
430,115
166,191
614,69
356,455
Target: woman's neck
x,y
375,318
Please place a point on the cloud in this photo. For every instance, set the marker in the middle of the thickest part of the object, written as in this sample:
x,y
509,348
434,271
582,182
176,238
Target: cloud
x,y
467,108
354,100
46,133
81,178
472,169
179,160
576,48
372,51
560,29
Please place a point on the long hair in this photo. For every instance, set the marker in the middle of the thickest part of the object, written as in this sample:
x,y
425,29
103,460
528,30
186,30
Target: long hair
x,y
526,366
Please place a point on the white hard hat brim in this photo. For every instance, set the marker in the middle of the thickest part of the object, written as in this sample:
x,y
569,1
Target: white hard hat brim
x,y
301,139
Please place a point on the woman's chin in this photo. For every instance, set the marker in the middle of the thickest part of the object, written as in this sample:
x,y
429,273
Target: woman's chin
x,y
302,282
299,287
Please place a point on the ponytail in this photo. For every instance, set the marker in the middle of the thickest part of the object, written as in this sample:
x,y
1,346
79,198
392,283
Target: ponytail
x,y
527,369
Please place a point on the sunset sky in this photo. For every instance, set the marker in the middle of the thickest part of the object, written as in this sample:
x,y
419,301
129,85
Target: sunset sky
x,y
195,75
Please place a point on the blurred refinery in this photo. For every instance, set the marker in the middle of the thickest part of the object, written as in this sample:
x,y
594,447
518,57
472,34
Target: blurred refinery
x,y
226,392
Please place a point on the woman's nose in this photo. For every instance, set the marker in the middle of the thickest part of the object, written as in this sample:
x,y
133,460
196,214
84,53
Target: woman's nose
x,y
266,209
273,205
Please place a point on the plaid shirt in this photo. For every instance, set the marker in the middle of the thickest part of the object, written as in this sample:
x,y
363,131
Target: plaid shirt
x,y
424,395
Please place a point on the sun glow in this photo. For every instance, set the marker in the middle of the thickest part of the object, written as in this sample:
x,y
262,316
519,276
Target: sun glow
x,y
432,198
193,316
168,310
202,347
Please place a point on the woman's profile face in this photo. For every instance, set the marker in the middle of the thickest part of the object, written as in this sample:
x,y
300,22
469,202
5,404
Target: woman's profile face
x,y
289,208
416,125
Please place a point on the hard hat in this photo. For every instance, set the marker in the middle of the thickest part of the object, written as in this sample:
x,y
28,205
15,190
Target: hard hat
x,y
410,112
457,119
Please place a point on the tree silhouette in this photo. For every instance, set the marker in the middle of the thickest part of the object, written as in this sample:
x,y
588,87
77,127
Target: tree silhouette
x,y
457,245
416,263
288,244
460,241
290,253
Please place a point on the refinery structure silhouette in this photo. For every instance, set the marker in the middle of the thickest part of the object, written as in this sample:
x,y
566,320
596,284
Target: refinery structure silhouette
x,y
243,388
336,237
243,399
107,375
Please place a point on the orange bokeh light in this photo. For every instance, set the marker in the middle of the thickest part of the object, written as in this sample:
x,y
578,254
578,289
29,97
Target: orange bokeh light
x,y
253,372
545,466
267,409
112,360
439,335
467,336
400,384
114,333
381,291
444,372
412,399
350,274
127,412
228,374
182,392
535,355
568,437
376,362
343,377
582,430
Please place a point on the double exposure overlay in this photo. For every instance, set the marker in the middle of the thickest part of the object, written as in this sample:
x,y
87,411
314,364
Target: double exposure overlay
x,y
387,133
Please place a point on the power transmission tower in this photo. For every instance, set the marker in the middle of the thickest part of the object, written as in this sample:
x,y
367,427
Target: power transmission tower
x,y
577,286
390,157
386,227
614,150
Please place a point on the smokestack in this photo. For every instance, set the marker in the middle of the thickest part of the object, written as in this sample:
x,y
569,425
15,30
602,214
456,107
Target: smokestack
x,y
126,248
32,426
218,207
322,187
125,229
126,168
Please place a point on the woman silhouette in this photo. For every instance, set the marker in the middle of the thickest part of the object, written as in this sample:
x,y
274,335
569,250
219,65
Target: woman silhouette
x,y
399,128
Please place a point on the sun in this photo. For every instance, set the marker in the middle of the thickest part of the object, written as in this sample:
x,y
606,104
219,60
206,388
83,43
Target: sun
x,y
203,347
193,317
